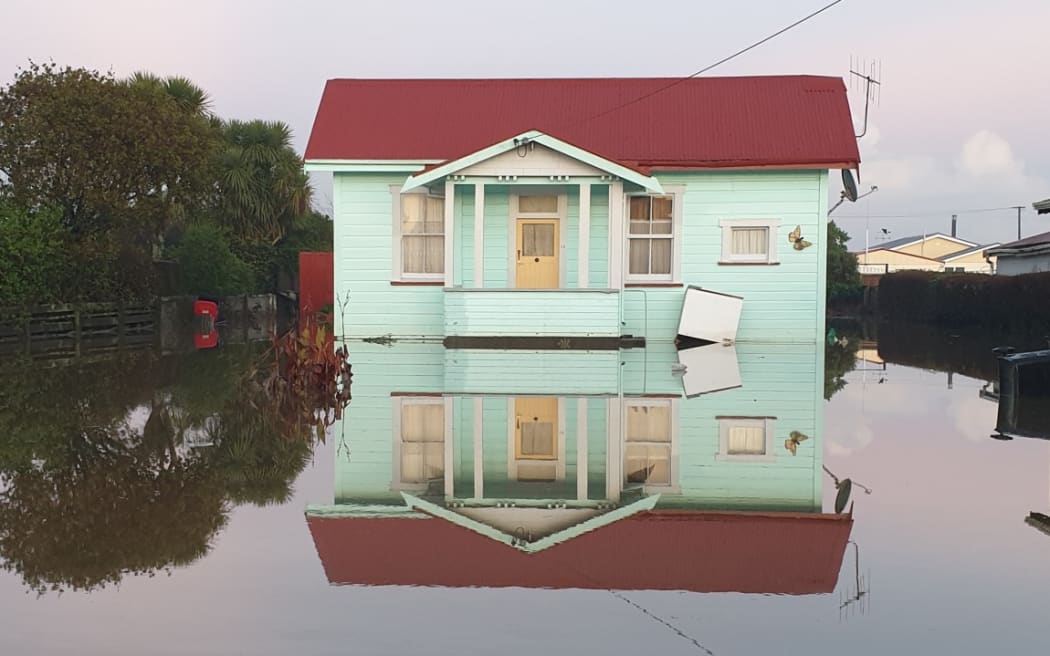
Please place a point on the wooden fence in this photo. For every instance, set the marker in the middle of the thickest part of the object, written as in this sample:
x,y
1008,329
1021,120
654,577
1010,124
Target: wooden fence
x,y
69,330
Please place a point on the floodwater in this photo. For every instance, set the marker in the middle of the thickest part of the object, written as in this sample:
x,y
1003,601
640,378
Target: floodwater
x,y
145,509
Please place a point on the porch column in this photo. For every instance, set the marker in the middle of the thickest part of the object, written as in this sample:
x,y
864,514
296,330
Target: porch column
x,y
613,450
479,234
616,237
581,446
585,236
479,459
450,205
450,477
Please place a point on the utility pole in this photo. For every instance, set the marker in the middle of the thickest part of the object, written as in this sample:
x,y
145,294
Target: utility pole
x,y
1018,208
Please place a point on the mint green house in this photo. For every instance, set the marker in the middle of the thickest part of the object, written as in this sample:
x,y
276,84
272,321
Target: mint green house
x,y
574,212
498,245
487,467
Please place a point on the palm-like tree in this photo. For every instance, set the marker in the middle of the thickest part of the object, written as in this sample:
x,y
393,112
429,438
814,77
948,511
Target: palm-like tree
x,y
263,188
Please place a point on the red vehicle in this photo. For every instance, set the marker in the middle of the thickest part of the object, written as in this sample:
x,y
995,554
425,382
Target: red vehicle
x,y
205,318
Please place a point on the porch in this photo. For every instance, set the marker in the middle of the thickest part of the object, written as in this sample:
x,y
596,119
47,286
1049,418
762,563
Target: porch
x,y
530,243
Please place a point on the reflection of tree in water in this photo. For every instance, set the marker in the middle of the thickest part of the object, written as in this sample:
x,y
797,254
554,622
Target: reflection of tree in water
x,y
86,497
840,358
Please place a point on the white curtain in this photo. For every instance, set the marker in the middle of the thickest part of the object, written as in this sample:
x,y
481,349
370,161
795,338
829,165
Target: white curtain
x,y
747,440
422,442
422,234
648,423
750,241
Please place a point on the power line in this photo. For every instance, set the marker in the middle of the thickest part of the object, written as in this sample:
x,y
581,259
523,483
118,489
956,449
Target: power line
x,y
717,63
941,213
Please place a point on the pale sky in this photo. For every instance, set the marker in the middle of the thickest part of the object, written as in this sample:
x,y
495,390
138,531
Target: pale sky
x,y
962,122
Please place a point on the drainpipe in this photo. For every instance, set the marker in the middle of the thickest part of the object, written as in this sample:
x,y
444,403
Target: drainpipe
x,y
954,220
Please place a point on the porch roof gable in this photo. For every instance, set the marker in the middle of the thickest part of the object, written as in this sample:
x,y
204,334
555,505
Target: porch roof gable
x,y
438,171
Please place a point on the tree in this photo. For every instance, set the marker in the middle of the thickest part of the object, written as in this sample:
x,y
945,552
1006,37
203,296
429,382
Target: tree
x,y
262,186
843,276
104,153
208,266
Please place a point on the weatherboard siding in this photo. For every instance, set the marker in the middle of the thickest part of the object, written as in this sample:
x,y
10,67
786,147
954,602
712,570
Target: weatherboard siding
x,y
782,302
784,381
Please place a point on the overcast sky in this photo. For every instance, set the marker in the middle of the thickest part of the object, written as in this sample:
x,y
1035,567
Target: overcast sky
x,y
963,123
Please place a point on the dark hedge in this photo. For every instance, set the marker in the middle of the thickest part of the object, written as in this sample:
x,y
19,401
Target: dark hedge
x,y
967,299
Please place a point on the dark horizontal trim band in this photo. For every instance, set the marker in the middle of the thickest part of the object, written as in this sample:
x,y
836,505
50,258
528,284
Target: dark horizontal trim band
x,y
417,283
538,343
724,263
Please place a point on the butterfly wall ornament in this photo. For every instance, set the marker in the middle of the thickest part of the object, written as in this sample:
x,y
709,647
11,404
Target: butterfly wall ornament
x,y
795,237
794,438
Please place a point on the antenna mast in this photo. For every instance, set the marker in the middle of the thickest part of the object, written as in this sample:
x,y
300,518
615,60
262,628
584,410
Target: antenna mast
x,y
872,84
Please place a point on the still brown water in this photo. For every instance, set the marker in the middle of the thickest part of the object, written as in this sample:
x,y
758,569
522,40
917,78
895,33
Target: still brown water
x,y
146,509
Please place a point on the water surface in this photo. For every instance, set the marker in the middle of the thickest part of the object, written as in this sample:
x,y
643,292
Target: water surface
x,y
178,548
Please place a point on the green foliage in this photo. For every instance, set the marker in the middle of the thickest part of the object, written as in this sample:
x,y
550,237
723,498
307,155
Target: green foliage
x,y
32,256
86,499
104,153
262,186
967,299
843,278
208,266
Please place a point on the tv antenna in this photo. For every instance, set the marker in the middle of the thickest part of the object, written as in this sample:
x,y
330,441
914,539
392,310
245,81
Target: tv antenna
x,y
872,84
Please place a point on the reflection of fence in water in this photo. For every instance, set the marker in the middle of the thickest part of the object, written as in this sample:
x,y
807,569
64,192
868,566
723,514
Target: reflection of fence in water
x,y
70,330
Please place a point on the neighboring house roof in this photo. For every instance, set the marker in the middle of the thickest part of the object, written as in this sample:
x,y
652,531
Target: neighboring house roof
x,y
966,251
703,551
904,241
1042,207
641,122
896,252
1027,246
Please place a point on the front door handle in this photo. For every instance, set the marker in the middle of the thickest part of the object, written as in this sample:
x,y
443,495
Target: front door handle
x,y
537,259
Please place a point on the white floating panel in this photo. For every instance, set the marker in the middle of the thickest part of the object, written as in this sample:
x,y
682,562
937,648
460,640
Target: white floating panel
x,y
709,315
710,368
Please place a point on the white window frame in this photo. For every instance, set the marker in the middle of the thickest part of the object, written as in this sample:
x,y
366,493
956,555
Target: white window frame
x,y
672,486
677,194
726,423
728,225
396,483
396,273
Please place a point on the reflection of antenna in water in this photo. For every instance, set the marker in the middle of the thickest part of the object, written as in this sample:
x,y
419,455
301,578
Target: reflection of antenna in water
x,y
872,84
858,597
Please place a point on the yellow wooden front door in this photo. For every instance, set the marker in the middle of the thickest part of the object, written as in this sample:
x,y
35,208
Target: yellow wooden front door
x,y
537,253
536,428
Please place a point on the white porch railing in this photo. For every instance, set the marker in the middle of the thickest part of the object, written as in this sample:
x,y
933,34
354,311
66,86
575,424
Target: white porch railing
x,y
532,312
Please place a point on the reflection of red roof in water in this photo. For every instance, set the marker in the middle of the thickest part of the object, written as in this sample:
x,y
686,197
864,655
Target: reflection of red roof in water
x,y
785,553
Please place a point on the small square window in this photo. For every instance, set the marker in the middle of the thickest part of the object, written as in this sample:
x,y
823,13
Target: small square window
x,y
749,241
746,438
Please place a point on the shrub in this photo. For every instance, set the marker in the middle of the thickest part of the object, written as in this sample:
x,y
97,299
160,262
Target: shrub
x,y
966,299
33,255
208,266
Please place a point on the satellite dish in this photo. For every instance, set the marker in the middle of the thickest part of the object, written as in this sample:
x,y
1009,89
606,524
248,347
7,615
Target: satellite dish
x,y
845,487
849,186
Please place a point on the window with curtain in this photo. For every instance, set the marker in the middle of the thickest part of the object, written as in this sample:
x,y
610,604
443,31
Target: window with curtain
x,y
422,440
648,431
650,237
422,235
749,241
745,438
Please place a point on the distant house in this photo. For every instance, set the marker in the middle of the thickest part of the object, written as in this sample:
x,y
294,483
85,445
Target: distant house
x,y
1028,255
1042,207
932,252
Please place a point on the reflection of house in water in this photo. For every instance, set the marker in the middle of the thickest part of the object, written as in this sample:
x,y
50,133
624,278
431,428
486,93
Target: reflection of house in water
x,y
570,469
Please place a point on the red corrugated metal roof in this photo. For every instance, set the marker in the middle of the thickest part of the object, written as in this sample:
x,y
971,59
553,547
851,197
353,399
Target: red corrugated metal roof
x,y
783,553
693,123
